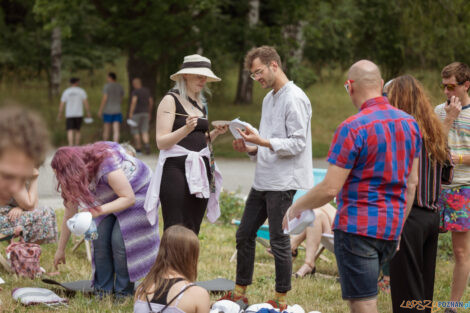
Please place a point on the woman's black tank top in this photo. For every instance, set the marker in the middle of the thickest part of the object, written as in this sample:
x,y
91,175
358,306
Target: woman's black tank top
x,y
162,299
196,140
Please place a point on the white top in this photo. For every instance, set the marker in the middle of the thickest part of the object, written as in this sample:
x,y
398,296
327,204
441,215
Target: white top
x,y
286,123
73,98
459,143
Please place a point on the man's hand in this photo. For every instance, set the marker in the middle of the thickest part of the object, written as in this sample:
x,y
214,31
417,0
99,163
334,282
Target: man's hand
x,y
59,116
250,136
453,108
240,146
290,214
14,214
100,114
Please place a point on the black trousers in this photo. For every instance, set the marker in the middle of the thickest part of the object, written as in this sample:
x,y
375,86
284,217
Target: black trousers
x,y
179,206
412,269
259,206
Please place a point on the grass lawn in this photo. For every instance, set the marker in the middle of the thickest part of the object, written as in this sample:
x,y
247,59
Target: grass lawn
x,y
217,245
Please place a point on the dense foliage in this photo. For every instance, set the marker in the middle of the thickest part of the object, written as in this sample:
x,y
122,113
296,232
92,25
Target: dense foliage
x,y
310,34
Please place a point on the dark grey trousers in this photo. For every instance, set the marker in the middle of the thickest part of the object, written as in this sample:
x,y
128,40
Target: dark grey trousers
x,y
259,206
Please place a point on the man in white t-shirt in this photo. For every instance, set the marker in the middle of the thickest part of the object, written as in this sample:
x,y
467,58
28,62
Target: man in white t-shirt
x,y
74,99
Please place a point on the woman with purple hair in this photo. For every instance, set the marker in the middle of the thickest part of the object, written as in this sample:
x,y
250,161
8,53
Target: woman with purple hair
x,y
111,184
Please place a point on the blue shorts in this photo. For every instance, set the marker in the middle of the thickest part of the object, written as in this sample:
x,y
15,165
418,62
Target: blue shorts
x,y
111,118
359,260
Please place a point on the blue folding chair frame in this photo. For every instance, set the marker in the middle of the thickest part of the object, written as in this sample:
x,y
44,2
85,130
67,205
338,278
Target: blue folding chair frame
x,y
262,236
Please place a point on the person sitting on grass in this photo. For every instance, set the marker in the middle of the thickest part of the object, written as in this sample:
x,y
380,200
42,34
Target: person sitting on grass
x,y
22,216
23,145
312,235
168,286
324,217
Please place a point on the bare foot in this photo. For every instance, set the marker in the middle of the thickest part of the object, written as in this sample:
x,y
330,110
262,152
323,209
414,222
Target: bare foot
x,y
304,270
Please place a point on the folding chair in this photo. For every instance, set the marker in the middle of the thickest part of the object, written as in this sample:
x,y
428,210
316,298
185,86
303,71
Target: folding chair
x,y
326,242
87,247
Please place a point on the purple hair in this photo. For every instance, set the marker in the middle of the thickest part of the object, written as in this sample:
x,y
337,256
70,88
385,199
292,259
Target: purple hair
x,y
75,168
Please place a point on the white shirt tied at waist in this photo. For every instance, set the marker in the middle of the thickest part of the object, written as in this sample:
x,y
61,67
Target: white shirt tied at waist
x,y
196,176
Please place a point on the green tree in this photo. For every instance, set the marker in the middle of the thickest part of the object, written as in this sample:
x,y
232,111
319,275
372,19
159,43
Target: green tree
x,y
156,35
25,45
437,32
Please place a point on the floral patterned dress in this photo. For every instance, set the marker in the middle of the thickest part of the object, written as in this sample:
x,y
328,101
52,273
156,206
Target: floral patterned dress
x,y
455,209
36,225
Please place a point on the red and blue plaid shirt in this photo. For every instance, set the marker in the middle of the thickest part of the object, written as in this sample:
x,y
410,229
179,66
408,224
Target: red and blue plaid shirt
x,y
378,144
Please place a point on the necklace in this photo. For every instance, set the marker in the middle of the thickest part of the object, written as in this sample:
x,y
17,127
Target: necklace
x,y
195,106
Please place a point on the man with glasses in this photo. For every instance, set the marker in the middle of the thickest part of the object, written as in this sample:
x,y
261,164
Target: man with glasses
x,y
283,155
454,200
373,172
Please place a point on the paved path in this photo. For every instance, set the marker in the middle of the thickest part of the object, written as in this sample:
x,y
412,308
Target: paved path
x,y
237,173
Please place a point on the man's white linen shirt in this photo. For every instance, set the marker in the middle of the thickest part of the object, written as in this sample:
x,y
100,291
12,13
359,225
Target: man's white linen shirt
x,y
286,123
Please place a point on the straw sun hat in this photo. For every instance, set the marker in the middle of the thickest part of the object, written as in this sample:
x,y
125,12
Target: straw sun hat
x,y
197,65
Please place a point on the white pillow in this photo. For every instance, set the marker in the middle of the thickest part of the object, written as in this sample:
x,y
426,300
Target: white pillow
x,y
30,296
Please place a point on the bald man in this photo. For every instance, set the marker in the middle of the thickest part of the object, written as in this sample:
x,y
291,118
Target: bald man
x,y
373,172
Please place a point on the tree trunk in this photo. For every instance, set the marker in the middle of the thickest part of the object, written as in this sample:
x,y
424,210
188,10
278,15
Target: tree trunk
x,y
56,54
244,87
245,84
294,33
138,67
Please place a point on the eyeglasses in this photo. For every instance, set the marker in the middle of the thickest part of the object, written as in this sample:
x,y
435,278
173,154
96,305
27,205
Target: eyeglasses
x,y
451,87
347,83
257,74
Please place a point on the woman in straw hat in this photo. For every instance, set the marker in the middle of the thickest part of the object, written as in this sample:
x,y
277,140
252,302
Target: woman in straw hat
x,y
186,180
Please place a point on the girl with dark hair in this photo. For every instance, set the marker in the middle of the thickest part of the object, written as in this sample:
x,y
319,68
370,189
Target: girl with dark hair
x,y
105,180
167,285
412,269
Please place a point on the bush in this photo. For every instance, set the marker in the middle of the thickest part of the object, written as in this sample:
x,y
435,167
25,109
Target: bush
x,y
231,206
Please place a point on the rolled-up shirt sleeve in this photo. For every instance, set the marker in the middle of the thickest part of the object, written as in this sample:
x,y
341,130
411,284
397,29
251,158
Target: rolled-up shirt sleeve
x,y
297,120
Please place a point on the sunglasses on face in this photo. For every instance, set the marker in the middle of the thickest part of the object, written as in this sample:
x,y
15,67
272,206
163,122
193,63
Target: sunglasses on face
x,y
347,83
451,87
